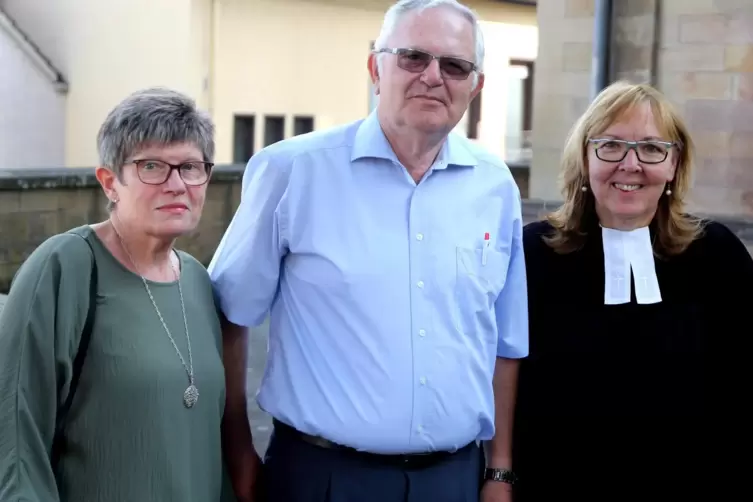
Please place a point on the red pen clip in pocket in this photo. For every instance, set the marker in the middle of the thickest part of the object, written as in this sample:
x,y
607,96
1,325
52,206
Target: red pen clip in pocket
x,y
485,250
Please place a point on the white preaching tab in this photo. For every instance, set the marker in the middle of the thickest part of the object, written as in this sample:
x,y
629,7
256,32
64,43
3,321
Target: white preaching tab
x,y
626,252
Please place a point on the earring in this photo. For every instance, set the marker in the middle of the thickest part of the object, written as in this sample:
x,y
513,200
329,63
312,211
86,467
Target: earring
x,y
584,188
668,191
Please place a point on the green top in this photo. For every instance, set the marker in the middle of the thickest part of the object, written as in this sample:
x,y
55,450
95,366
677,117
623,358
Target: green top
x,y
129,436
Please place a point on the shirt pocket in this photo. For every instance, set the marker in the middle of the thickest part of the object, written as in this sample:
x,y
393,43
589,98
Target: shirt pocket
x,y
479,281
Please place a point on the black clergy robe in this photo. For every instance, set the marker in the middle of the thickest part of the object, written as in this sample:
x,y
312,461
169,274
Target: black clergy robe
x,y
626,402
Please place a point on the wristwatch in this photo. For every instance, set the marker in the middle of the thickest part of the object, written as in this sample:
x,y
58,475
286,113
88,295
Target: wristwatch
x,y
500,475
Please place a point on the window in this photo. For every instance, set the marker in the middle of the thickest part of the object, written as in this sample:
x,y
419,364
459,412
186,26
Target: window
x,y
274,129
526,68
474,116
519,111
244,132
302,125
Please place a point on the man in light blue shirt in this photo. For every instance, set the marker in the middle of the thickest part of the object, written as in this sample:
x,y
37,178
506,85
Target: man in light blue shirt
x,y
388,255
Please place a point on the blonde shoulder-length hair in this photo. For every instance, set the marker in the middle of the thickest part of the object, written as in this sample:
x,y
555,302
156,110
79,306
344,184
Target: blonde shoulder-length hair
x,y
674,228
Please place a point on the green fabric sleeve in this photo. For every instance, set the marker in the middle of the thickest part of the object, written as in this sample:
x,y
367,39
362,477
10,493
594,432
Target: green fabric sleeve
x,y
40,329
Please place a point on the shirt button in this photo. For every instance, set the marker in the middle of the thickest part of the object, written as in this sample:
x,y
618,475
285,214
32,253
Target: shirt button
x,y
423,380
421,332
420,237
420,428
420,284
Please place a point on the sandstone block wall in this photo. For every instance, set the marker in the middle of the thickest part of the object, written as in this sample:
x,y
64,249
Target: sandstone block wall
x,y
34,205
698,52
561,86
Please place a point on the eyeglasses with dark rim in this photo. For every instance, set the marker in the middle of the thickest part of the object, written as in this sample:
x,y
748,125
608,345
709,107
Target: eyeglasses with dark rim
x,y
416,61
648,151
157,172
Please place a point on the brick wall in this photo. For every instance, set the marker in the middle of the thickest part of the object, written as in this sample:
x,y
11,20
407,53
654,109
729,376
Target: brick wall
x,y
698,52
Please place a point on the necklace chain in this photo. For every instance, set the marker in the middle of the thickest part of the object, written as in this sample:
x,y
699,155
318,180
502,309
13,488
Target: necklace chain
x,y
191,394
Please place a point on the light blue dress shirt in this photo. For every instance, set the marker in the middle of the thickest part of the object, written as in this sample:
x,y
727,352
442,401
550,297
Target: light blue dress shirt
x,y
387,313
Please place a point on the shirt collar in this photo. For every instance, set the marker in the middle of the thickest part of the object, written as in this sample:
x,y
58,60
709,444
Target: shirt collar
x,y
370,142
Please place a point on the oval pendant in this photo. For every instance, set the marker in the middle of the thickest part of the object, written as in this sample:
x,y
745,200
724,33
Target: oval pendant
x,y
190,396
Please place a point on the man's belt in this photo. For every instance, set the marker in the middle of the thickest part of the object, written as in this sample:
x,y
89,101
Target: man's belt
x,y
409,460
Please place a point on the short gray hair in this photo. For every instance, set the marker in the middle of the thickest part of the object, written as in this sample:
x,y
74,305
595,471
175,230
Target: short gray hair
x,y
153,116
402,7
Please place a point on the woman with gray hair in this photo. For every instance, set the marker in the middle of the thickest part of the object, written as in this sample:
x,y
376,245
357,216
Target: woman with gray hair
x,y
112,382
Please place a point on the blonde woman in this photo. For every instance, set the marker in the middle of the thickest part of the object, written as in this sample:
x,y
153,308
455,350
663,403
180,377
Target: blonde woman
x,y
626,290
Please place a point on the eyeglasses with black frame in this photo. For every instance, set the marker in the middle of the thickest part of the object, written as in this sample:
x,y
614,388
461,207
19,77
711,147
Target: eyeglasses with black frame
x,y
648,151
416,61
157,172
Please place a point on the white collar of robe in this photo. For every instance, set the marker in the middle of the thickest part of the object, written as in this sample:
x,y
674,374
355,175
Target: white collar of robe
x,y
626,252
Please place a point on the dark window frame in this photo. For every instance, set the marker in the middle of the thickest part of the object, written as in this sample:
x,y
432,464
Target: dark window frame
x,y
298,120
527,91
244,145
280,120
474,116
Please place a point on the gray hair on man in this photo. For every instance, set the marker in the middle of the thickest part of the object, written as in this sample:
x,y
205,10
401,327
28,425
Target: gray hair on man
x,y
153,116
395,13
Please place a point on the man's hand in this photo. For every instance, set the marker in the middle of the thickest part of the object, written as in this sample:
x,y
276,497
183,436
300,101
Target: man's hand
x,y
496,491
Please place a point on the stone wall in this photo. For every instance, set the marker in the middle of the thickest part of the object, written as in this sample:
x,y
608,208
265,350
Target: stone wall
x,y
561,86
705,65
698,52
36,204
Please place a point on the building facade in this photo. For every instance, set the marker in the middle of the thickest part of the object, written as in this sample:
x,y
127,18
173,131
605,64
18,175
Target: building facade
x,y
32,131
698,52
265,69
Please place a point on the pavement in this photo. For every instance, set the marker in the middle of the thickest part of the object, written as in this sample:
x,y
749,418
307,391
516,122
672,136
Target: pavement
x,y
260,422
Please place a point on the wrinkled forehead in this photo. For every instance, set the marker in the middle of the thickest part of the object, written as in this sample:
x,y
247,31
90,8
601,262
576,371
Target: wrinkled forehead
x,y
439,30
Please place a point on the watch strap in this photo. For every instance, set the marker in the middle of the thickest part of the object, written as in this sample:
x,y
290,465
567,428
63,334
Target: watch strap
x,y
500,475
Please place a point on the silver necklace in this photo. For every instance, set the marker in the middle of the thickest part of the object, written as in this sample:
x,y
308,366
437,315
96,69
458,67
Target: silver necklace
x,y
191,394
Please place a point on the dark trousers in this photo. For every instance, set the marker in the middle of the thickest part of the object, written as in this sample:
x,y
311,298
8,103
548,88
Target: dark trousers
x,y
297,471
